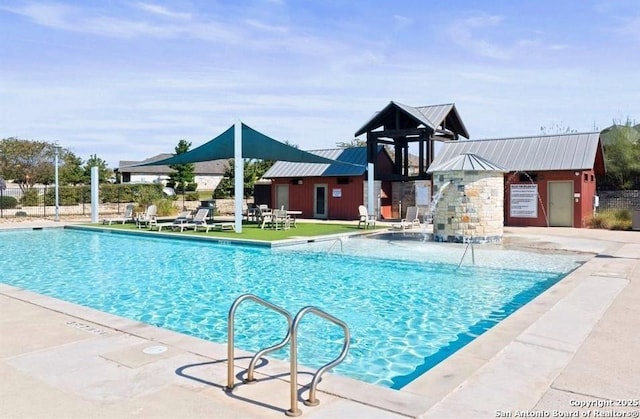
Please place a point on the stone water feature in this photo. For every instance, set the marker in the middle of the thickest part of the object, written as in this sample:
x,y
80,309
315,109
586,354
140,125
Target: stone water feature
x,y
468,204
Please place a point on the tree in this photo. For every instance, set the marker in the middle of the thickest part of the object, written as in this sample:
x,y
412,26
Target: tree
x,y
104,172
621,145
71,171
182,174
27,162
253,171
356,142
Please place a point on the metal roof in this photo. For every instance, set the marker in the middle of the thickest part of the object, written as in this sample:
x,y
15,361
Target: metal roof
x,y
433,116
356,156
550,152
213,167
467,162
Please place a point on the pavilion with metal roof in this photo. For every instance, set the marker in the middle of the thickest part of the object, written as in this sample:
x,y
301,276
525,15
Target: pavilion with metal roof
x,y
399,125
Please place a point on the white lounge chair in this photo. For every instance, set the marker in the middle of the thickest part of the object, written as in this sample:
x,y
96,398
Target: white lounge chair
x,y
200,219
411,219
215,226
148,217
365,219
126,216
182,218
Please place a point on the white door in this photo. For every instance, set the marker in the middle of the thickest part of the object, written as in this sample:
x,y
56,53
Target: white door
x,y
282,196
320,201
561,204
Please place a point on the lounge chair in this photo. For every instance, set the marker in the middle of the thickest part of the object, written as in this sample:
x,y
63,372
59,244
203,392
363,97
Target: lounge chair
x,y
215,226
365,219
410,220
148,217
199,219
182,218
126,216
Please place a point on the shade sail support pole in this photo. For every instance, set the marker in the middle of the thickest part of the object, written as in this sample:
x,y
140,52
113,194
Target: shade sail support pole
x,y
238,174
370,190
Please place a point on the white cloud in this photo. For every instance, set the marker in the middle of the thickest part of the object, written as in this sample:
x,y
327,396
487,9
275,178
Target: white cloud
x,y
463,32
630,28
162,11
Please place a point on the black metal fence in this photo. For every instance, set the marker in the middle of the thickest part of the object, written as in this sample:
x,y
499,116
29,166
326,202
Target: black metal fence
x,y
619,200
73,200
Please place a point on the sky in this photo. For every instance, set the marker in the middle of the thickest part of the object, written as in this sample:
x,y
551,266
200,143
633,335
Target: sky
x,y
126,80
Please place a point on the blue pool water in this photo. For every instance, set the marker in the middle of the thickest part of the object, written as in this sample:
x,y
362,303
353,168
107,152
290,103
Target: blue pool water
x,y
406,308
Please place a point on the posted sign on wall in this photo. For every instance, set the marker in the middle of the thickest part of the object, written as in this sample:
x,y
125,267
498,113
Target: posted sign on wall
x,y
523,202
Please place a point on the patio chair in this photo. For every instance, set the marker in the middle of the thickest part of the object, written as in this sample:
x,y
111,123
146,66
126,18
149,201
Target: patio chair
x,y
182,218
148,217
126,216
365,219
410,220
280,219
265,216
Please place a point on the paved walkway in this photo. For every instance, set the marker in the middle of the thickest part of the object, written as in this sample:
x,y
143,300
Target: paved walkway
x,y
572,350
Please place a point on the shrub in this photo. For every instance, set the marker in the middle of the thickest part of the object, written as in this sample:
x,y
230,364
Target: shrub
x,y
600,221
117,192
67,195
165,207
30,198
612,220
8,202
146,194
192,196
623,215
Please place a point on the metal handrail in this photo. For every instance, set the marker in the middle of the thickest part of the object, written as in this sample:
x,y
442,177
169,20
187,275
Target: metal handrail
x,y
473,255
230,338
312,401
339,239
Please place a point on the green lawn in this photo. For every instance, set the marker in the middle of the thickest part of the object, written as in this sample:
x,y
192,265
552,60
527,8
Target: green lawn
x,y
252,231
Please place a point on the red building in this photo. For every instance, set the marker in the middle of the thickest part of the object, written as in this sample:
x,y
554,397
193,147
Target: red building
x,y
329,191
551,180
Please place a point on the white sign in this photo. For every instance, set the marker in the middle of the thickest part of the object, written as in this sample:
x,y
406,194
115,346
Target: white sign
x,y
523,201
423,193
337,193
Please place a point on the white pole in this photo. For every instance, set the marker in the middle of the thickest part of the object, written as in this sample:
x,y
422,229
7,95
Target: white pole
x,y
94,194
57,217
239,174
370,189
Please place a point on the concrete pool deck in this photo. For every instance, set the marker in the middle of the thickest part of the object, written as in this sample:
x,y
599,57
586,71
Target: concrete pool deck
x,y
571,350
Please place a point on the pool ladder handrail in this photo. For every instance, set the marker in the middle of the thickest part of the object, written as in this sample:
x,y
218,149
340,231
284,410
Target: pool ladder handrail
x,y
338,240
292,335
473,255
312,401
259,354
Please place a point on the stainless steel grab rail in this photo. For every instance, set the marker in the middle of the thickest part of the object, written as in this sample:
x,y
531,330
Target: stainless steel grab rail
x,y
312,401
230,338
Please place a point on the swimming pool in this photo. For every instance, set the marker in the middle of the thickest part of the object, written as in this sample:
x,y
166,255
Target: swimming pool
x,y
406,308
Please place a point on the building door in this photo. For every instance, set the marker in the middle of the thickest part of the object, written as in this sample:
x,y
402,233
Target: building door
x,y
320,201
282,196
561,204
